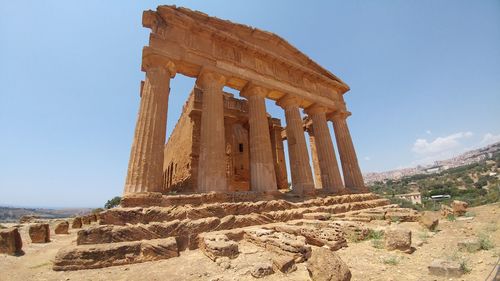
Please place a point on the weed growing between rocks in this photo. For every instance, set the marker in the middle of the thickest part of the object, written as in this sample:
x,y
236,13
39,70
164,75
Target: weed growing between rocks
x,y
485,242
465,266
451,217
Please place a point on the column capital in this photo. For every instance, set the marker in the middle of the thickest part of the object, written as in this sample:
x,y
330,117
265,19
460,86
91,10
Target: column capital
x,y
315,108
151,60
339,114
208,78
288,101
252,89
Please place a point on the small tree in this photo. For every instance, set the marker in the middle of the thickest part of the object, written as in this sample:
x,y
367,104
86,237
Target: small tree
x,y
113,202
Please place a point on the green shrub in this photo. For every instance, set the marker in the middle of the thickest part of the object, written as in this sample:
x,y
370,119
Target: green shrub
x,y
377,243
97,210
465,266
375,234
114,202
451,217
485,242
469,214
392,260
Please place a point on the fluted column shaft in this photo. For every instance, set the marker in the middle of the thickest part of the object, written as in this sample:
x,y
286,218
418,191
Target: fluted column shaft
x,y
315,161
145,167
350,167
300,168
262,174
212,164
331,179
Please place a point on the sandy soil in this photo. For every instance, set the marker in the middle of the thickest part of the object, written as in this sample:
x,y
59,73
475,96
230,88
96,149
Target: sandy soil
x,y
365,261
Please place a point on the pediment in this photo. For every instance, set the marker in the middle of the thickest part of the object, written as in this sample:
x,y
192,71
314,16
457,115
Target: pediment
x,y
269,42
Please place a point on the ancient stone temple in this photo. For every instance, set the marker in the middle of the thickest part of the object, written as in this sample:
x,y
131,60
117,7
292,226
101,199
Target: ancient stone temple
x,y
221,177
224,144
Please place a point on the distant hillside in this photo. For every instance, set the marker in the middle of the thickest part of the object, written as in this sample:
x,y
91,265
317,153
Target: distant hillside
x,y
9,214
467,158
477,183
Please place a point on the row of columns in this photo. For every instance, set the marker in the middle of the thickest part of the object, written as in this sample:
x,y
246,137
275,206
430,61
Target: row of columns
x,y
145,165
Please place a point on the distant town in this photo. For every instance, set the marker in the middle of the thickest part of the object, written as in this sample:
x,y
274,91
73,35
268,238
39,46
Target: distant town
x,y
470,157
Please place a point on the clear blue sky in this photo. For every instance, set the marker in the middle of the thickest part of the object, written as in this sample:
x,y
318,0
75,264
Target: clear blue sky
x,y
424,78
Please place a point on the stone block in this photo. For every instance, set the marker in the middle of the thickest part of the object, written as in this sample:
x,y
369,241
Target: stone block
x,y
262,269
445,268
459,207
398,239
469,245
62,228
39,233
215,246
325,265
104,255
77,222
284,263
10,241
280,243
429,220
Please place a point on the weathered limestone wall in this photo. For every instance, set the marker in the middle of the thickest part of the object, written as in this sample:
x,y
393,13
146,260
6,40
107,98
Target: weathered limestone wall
x,y
240,158
278,153
178,164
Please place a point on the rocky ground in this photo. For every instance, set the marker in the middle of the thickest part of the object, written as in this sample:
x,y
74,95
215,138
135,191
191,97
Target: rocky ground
x,y
367,259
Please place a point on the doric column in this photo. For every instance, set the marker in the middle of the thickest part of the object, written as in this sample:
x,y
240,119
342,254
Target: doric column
x,y
350,167
212,160
314,158
300,168
145,167
330,174
262,174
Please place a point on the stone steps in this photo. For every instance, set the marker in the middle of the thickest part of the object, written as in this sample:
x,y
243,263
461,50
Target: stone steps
x,y
186,231
122,216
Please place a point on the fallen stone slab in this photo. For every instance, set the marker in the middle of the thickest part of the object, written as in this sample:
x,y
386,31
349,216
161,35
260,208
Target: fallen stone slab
x,y
39,233
469,245
329,235
280,243
355,230
284,263
104,255
62,228
10,241
216,246
465,218
402,215
445,268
